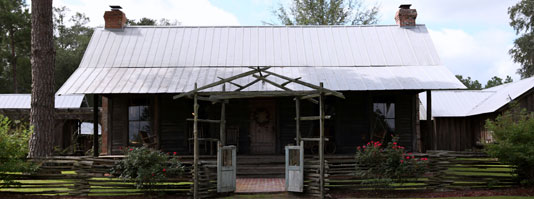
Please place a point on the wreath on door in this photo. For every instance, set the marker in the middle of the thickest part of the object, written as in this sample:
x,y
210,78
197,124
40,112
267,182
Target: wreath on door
x,y
261,116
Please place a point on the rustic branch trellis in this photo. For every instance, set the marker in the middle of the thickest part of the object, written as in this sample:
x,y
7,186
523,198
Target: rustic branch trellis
x,y
260,74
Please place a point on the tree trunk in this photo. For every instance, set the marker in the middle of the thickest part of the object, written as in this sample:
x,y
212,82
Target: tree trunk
x,y
13,60
42,60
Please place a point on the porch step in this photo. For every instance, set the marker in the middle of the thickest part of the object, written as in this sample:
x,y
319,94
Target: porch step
x,y
261,166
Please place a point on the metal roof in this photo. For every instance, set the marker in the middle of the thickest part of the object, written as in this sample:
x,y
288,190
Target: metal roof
x,y
474,102
261,46
171,59
23,101
177,80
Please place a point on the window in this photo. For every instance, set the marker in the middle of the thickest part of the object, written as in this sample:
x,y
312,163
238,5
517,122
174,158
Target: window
x,y
384,119
138,124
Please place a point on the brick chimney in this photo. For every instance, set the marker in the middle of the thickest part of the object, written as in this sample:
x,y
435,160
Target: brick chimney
x,y
405,16
115,19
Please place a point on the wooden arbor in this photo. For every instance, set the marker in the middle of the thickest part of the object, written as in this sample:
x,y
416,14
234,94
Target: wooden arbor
x,y
260,74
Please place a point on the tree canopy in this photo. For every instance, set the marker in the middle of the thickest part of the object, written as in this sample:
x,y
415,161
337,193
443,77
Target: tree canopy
x,y
470,84
15,41
152,22
522,20
71,42
326,12
475,84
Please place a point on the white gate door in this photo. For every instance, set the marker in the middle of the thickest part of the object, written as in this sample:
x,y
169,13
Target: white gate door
x,y
226,168
295,168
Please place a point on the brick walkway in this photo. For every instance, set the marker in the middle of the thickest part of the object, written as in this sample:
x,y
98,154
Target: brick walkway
x,y
258,185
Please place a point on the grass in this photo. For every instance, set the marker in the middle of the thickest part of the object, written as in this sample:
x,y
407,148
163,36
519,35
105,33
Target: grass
x,y
490,197
109,185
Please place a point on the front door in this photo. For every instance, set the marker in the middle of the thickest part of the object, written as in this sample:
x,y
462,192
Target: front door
x,y
262,127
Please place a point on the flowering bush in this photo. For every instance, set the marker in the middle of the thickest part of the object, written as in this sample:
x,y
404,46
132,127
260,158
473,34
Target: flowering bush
x,y
386,164
14,138
146,167
513,133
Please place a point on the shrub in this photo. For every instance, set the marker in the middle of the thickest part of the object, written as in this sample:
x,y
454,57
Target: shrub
x,y
146,167
14,138
383,165
513,132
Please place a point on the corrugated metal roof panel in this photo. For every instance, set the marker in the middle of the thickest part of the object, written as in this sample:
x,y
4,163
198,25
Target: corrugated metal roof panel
x,y
454,103
503,95
177,80
23,101
261,46
470,102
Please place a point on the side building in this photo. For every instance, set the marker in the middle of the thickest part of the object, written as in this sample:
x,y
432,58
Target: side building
x,y
459,116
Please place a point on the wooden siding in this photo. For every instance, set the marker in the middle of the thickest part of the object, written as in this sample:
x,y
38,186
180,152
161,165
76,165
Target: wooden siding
x,y
119,123
352,121
173,135
405,119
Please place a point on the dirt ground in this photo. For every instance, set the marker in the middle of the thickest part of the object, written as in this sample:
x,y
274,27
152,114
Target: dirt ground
x,y
333,194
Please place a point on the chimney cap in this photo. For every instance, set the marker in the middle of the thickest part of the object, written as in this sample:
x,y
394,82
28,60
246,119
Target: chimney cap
x,y
405,6
115,7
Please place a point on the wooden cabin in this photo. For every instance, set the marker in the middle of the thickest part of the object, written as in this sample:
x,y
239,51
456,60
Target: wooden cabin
x,y
459,116
137,70
71,111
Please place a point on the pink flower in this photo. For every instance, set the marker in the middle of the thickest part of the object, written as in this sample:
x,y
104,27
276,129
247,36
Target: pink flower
x,y
394,143
402,161
131,149
364,147
407,157
164,170
174,153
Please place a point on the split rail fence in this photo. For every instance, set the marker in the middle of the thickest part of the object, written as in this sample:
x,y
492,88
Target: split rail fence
x,y
82,176
448,171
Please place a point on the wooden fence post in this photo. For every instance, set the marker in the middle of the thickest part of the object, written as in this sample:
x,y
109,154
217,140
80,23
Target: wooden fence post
x,y
321,141
195,146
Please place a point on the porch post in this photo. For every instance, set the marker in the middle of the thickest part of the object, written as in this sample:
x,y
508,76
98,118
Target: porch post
x,y
223,120
429,122
297,118
195,146
321,141
95,125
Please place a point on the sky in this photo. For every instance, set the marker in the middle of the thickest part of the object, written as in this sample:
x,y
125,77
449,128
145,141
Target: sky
x,y
472,37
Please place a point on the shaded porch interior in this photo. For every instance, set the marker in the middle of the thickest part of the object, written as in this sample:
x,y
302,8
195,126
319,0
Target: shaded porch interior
x,y
257,126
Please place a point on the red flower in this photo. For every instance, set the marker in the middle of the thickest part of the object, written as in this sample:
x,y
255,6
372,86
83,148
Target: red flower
x,y
131,149
358,148
407,157
368,143
394,143
164,170
174,153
